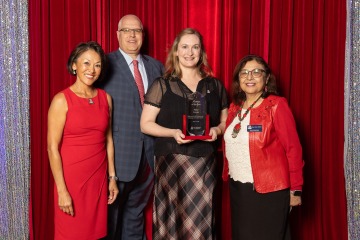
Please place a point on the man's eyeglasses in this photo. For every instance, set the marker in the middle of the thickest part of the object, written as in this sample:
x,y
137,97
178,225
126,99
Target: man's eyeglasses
x,y
256,73
129,30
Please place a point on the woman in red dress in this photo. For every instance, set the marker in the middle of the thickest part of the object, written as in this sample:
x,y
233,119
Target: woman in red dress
x,y
81,151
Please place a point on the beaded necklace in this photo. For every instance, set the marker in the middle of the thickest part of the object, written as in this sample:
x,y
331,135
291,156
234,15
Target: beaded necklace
x,y
237,127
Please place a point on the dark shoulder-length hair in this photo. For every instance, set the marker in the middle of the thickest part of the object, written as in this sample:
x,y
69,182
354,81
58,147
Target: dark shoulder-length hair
x,y
172,67
80,49
237,94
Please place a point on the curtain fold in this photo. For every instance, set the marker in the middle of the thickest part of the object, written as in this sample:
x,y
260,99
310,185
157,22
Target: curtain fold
x,y
303,41
41,192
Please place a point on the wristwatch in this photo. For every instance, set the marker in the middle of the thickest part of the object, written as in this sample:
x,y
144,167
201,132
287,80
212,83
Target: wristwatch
x,y
296,193
113,177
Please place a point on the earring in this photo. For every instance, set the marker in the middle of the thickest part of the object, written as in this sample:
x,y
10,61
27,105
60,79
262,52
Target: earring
x,y
266,85
74,71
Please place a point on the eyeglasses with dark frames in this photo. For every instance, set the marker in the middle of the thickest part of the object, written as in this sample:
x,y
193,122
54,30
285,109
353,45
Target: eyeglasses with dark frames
x,y
129,30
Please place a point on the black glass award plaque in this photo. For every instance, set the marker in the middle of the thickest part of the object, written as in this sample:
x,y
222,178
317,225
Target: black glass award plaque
x,y
196,119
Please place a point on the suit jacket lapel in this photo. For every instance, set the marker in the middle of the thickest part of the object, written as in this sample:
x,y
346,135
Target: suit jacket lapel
x,y
148,69
130,80
124,68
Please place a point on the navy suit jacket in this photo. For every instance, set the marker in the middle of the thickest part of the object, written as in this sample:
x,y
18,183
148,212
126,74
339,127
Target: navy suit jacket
x,y
128,139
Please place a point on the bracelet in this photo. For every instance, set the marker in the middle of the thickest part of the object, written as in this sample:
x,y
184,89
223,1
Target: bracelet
x,y
113,177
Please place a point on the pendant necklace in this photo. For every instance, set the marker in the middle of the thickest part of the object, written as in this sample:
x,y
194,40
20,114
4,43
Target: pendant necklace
x,y
90,100
237,127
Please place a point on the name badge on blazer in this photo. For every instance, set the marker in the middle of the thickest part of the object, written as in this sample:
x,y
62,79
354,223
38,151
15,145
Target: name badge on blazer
x,y
254,128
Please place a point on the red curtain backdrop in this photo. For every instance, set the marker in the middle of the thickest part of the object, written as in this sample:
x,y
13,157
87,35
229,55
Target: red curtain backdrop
x,y
303,41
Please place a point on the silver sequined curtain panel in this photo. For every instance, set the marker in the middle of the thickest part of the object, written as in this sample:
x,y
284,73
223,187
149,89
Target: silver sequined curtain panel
x,y
352,118
14,120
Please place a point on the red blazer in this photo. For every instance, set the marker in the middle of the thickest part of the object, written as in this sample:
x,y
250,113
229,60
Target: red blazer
x,y
275,152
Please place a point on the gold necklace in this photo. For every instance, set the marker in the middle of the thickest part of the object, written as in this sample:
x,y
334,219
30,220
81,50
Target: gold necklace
x,y
237,127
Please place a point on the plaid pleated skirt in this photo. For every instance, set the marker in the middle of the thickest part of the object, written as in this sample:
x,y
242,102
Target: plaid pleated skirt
x,y
184,197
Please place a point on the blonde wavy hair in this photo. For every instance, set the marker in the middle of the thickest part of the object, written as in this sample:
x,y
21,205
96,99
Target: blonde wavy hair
x,y
172,67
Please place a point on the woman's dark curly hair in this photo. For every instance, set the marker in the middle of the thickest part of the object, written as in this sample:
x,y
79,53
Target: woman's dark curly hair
x,y
80,49
237,94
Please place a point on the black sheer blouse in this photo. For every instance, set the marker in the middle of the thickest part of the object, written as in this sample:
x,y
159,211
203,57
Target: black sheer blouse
x,y
171,96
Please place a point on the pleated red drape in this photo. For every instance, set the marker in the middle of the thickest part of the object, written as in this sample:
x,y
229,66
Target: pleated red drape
x,y
304,42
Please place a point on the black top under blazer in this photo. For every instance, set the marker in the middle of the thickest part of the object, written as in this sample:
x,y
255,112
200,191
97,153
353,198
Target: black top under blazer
x,y
119,82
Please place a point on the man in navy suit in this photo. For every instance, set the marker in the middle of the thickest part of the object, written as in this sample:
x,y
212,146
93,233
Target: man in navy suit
x,y
134,152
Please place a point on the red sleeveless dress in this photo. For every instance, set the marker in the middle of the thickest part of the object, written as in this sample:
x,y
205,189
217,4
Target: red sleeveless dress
x,y
83,153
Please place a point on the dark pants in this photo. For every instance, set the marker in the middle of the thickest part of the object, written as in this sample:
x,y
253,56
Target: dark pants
x,y
257,216
126,214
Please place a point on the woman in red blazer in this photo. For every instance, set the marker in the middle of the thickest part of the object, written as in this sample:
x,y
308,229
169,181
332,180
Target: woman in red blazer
x,y
263,155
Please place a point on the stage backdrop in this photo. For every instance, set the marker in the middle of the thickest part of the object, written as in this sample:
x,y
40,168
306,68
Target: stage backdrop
x,y
14,120
303,41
